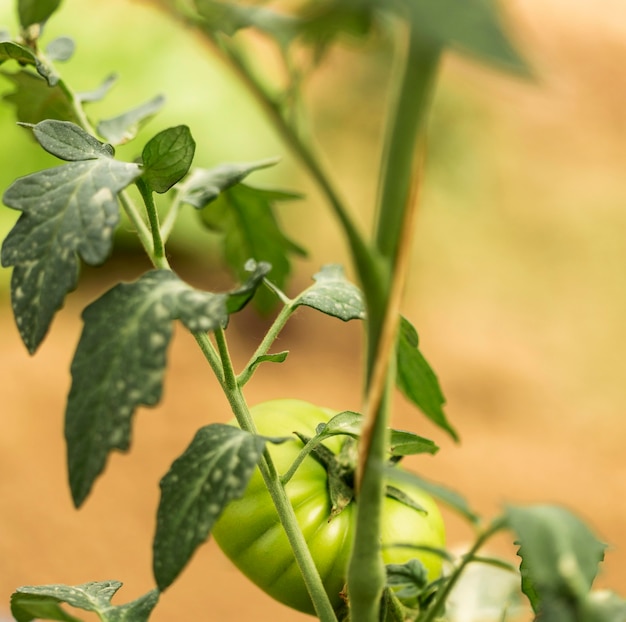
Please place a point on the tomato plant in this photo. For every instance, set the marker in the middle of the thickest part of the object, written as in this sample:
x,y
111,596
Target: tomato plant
x,y
266,496
249,530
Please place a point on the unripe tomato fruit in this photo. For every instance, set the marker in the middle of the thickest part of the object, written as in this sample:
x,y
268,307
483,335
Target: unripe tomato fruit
x,y
250,534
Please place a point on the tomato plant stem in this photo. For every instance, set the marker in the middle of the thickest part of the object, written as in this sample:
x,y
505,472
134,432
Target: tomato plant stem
x,y
158,250
276,490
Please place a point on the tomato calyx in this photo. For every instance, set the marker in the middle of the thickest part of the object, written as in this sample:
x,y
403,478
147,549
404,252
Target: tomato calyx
x,y
340,469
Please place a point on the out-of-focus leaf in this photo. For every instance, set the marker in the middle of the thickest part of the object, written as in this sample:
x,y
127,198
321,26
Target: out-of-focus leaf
x,y
120,362
246,218
68,212
403,443
100,92
36,101
560,554
238,298
334,295
416,379
42,602
124,127
36,11
60,49
167,157
212,471
408,580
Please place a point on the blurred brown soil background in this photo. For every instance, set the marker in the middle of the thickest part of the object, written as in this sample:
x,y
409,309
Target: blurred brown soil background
x,y
518,293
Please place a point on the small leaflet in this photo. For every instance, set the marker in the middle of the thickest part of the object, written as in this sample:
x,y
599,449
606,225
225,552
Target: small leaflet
x,y
124,127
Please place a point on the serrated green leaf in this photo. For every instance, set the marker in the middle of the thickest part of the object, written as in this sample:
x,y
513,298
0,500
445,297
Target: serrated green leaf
x,y
68,212
204,185
404,443
100,92
60,49
167,157
36,101
120,362
447,496
213,470
560,554
124,127
241,296
334,295
42,602
36,11
416,379
9,50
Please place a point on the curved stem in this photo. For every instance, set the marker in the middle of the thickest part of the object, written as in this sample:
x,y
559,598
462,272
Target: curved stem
x,y
158,250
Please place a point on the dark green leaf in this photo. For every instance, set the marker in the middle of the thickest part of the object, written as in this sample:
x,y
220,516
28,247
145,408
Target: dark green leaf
x,y
451,498
240,297
416,379
120,362
67,212
204,185
245,217
334,295
100,92
278,357
395,493
60,49
407,444
10,50
36,11
560,554
213,470
36,101
167,158
42,602
124,127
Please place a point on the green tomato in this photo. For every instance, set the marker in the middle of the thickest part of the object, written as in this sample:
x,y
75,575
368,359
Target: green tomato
x,y
250,534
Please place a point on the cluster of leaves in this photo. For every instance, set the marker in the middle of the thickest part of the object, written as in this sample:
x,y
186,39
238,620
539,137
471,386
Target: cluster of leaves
x,y
69,214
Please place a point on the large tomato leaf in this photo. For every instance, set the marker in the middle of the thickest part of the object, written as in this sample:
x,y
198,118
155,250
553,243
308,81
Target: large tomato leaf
x,y
417,380
43,602
124,127
212,471
334,295
120,362
167,157
560,557
245,217
68,212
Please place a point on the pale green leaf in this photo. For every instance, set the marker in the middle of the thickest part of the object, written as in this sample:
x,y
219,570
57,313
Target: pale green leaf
x,y
98,93
60,49
213,470
124,127
334,295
